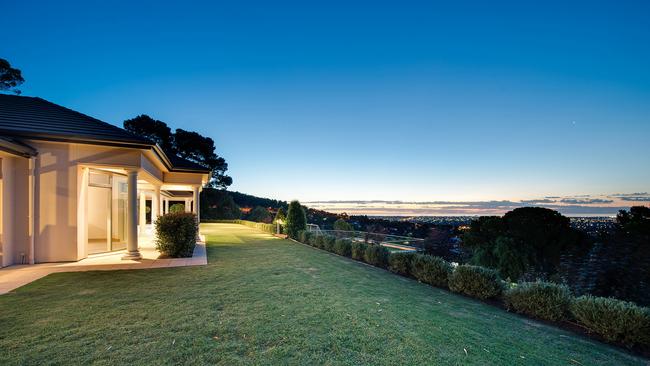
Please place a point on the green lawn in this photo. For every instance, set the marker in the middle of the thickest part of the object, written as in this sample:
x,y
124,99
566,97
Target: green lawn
x,y
264,300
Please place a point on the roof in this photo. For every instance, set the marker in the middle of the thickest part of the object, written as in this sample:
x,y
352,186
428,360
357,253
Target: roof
x,y
16,147
37,119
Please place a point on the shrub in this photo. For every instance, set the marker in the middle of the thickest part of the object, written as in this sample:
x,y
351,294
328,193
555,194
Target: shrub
x,y
318,241
475,281
615,320
544,300
432,270
328,243
343,247
296,219
376,255
177,208
304,236
358,250
400,263
176,234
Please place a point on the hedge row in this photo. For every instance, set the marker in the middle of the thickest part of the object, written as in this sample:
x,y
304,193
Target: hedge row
x,y
614,320
269,228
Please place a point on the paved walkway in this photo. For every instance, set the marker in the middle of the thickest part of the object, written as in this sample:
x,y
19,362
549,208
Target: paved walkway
x,y
16,276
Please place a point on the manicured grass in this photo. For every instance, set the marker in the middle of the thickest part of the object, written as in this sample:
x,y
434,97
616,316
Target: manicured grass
x,y
264,300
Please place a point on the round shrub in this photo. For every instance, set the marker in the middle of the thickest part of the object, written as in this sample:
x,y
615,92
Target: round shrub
x,y
343,247
400,263
177,208
328,243
376,255
475,281
176,234
432,270
358,250
615,320
544,300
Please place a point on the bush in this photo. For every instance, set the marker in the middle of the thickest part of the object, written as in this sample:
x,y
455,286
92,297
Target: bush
x,y
615,320
296,219
304,236
544,300
318,241
432,270
328,243
176,234
400,263
343,247
376,255
475,281
358,250
177,208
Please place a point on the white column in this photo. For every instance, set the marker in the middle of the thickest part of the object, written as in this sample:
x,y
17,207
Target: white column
x,y
196,197
143,211
132,217
166,206
155,204
187,205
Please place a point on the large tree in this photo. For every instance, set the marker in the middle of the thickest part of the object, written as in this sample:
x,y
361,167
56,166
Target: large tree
x,y
185,144
10,77
296,219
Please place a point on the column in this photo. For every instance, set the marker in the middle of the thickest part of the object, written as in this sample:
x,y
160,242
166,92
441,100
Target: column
x,y
132,217
166,206
187,205
143,211
155,204
195,206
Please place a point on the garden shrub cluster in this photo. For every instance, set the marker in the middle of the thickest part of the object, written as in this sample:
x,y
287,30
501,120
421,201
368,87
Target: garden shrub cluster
x,y
544,300
434,271
176,234
614,320
400,263
476,281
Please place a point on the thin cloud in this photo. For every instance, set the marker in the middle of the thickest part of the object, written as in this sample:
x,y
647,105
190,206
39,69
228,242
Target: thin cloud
x,y
585,201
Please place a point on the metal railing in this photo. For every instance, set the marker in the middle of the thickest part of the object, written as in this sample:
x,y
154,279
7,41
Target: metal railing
x,y
387,240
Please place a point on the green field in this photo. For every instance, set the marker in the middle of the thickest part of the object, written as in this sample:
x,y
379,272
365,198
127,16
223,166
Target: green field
x,y
263,300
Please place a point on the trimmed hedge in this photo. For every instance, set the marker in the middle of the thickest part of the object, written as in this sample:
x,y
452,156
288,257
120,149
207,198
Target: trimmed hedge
x,y
615,320
432,270
176,234
544,300
400,263
358,250
376,255
269,228
343,247
318,241
328,243
475,281
304,236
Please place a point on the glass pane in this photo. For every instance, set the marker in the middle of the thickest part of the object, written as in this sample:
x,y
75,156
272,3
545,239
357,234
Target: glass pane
x,y
119,212
99,179
98,219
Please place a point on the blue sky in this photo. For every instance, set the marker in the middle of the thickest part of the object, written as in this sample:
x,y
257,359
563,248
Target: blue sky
x,y
412,101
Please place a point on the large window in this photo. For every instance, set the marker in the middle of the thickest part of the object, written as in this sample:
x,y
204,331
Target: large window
x,y
107,210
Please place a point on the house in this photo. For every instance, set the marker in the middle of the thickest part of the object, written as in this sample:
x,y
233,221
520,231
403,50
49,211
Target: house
x,y
73,186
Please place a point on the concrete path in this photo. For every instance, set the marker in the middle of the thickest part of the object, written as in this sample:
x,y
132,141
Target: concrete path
x,y
16,276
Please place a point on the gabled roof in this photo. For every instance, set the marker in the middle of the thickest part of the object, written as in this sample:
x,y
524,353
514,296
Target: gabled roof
x,y
37,119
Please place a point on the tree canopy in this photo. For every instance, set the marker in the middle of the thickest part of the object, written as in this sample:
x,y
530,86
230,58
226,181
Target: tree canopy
x,y
280,215
218,204
296,219
525,239
342,225
260,214
188,145
10,78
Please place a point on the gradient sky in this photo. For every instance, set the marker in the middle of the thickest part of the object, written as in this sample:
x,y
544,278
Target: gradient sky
x,y
374,100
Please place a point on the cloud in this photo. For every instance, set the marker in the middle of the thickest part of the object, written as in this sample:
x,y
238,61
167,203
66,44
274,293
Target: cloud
x,y
636,199
538,201
553,197
585,201
629,194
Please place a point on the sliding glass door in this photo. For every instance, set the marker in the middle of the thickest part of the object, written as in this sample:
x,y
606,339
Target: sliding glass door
x,y
107,210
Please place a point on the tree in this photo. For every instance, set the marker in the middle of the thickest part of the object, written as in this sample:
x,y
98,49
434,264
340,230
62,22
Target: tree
x,y
296,219
218,204
153,130
342,225
188,145
10,77
199,149
260,214
280,215
177,207
527,239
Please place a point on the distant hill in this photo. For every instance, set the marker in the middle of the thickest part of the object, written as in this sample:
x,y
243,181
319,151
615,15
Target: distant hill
x,y
244,200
